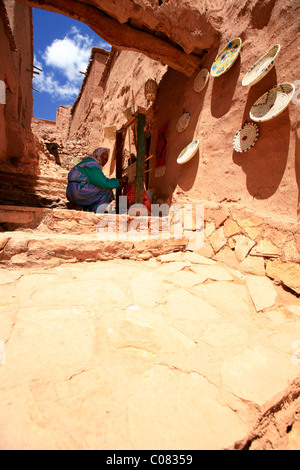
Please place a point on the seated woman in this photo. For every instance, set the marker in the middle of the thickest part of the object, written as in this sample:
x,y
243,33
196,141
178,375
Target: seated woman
x,y
87,184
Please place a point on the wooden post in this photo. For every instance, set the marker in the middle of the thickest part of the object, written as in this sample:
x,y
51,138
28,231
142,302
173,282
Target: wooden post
x,y
119,165
140,160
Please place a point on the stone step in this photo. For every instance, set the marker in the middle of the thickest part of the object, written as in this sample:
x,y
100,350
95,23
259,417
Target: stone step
x,y
31,190
76,221
37,248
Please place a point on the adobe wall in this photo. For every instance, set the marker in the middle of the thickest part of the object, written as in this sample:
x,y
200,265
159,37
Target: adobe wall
x,y
63,116
16,50
251,200
85,110
266,178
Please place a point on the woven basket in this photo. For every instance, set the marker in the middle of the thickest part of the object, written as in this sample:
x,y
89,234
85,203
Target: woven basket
x,y
130,111
110,132
188,152
261,67
183,122
246,137
272,103
201,80
226,58
150,89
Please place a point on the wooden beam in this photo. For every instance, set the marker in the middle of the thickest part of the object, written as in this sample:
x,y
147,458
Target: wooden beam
x,y
122,36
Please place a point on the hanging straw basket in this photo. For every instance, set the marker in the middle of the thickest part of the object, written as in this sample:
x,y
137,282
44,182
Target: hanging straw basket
x,y
201,80
272,103
110,132
150,89
261,67
183,122
188,152
130,111
246,137
226,58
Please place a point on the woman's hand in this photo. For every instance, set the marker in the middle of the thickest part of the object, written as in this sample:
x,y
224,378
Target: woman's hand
x,y
123,181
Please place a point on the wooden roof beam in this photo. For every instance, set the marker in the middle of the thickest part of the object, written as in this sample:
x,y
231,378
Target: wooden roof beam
x,y
122,36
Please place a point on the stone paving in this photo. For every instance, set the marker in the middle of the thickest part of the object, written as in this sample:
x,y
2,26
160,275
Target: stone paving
x,y
177,352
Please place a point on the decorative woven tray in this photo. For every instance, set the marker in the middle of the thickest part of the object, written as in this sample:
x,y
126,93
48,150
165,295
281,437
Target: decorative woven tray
x,y
272,103
246,137
261,67
226,58
183,122
188,152
201,80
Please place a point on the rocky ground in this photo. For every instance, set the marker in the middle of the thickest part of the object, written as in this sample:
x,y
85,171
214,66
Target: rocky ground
x,y
176,352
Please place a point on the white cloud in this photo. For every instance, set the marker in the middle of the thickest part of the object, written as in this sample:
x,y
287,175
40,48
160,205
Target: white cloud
x,y
70,54
46,82
62,61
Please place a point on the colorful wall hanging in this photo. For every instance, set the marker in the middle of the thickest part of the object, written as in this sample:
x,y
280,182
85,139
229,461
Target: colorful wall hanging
x,y
226,58
161,151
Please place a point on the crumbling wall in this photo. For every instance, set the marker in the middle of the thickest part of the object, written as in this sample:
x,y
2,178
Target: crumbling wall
x,y
85,113
16,50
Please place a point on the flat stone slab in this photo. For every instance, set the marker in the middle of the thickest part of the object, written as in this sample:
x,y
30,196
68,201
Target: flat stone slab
x,y
262,292
132,355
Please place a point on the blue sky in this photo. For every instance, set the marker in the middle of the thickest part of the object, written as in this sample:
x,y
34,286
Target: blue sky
x,y
62,48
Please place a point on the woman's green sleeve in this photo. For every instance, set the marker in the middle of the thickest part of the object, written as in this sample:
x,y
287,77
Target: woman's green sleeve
x,y
98,178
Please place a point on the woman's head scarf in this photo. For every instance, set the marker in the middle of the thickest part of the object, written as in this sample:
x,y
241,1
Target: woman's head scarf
x,y
98,152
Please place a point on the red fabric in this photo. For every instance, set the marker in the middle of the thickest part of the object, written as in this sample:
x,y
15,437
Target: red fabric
x,y
130,193
161,146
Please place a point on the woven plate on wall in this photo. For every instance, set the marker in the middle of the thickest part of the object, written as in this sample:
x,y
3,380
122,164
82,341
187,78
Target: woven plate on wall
x,y
188,152
201,80
246,137
272,103
261,67
226,58
183,122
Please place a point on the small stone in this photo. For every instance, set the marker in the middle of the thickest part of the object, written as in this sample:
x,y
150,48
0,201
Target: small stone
x,y
291,253
218,240
196,258
209,228
294,309
3,242
243,246
262,292
170,257
266,248
287,273
231,228
220,215
216,273
206,250
253,265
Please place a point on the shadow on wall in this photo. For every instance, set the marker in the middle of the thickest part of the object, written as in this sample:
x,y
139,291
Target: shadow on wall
x,y
297,167
223,90
175,97
261,13
265,163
